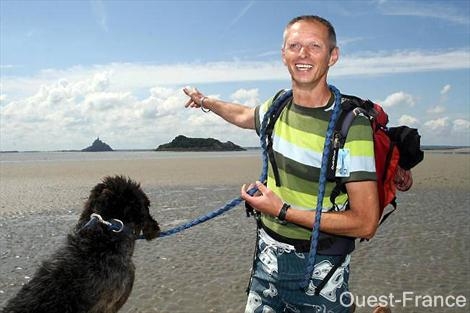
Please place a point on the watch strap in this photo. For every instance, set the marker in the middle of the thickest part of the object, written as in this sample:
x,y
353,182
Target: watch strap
x,y
283,212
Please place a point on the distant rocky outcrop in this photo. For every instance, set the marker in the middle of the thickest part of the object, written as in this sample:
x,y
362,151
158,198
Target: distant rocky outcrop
x,y
97,146
183,143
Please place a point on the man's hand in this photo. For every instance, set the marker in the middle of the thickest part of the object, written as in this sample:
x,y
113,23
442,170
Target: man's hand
x,y
234,113
195,97
264,200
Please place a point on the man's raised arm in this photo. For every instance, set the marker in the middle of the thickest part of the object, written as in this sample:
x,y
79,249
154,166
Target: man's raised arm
x,y
234,113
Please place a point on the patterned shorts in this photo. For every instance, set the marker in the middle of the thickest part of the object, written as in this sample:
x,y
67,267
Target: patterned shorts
x,y
278,272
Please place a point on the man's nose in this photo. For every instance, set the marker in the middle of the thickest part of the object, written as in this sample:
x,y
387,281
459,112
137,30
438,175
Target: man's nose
x,y
303,51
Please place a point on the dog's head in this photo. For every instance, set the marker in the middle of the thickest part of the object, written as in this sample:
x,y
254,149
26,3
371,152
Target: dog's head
x,y
118,197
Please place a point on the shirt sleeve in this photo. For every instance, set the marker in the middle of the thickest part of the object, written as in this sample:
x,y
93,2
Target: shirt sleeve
x,y
260,111
360,144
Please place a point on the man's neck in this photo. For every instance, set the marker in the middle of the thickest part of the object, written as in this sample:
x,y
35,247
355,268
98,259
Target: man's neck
x,y
311,96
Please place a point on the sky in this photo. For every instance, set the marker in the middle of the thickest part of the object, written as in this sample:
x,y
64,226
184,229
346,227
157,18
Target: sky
x,y
72,71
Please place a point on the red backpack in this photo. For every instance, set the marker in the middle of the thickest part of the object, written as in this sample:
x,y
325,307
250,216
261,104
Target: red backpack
x,y
397,149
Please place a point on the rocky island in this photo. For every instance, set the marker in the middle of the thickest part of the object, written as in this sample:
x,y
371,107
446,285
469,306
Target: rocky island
x,y
97,146
183,143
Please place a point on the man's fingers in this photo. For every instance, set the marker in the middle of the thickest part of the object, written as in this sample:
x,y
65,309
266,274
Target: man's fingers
x,y
188,103
261,187
243,192
250,191
194,96
188,90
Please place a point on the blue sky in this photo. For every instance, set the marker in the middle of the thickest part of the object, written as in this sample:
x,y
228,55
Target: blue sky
x,y
75,70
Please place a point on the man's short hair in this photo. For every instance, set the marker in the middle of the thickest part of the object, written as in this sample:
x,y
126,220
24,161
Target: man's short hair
x,y
314,18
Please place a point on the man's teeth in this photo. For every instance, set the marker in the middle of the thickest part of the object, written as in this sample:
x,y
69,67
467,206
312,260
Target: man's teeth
x,y
303,66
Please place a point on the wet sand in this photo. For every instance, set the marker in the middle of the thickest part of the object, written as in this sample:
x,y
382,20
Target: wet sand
x,y
422,248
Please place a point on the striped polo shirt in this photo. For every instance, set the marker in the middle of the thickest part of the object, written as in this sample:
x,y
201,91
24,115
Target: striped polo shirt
x,y
298,139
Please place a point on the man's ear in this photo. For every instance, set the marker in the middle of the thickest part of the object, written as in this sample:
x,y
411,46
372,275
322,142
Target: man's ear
x,y
334,56
283,55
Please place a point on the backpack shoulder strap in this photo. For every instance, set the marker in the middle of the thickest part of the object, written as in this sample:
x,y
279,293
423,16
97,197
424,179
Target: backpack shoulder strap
x,y
352,106
348,105
280,100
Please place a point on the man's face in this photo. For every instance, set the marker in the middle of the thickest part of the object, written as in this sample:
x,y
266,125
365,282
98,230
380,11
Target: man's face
x,y
307,52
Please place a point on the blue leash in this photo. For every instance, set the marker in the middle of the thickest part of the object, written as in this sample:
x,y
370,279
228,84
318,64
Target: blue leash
x,y
203,218
236,201
321,188
322,179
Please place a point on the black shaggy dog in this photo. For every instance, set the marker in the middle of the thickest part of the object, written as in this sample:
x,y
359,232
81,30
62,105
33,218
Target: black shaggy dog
x,y
93,272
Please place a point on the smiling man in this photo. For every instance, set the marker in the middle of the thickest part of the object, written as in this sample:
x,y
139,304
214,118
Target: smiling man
x,y
287,203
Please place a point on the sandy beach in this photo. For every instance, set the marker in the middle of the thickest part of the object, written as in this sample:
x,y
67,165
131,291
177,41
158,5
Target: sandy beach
x,y
423,248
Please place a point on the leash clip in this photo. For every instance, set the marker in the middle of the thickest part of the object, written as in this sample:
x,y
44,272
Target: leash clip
x,y
115,228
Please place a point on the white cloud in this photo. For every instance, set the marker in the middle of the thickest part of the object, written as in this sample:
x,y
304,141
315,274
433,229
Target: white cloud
x,y
136,105
438,126
445,131
6,66
132,76
438,109
249,97
343,42
161,102
402,62
69,115
461,125
242,13
408,120
445,90
425,9
98,102
99,11
441,106
398,98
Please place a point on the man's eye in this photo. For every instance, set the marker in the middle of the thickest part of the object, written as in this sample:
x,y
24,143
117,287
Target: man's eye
x,y
295,46
314,46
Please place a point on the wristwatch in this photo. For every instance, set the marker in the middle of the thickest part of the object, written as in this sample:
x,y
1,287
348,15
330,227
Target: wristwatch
x,y
283,212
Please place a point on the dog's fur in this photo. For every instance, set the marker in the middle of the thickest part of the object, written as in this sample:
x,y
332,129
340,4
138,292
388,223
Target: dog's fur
x,y
93,272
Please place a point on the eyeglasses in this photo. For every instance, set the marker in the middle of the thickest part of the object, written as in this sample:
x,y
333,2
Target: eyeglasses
x,y
311,46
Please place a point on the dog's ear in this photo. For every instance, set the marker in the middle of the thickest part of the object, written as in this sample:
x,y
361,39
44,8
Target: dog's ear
x,y
150,227
99,201
92,201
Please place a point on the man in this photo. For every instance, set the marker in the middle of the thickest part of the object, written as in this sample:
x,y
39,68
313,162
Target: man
x,y
288,207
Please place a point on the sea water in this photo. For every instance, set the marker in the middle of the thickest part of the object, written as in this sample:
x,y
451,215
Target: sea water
x,y
57,156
